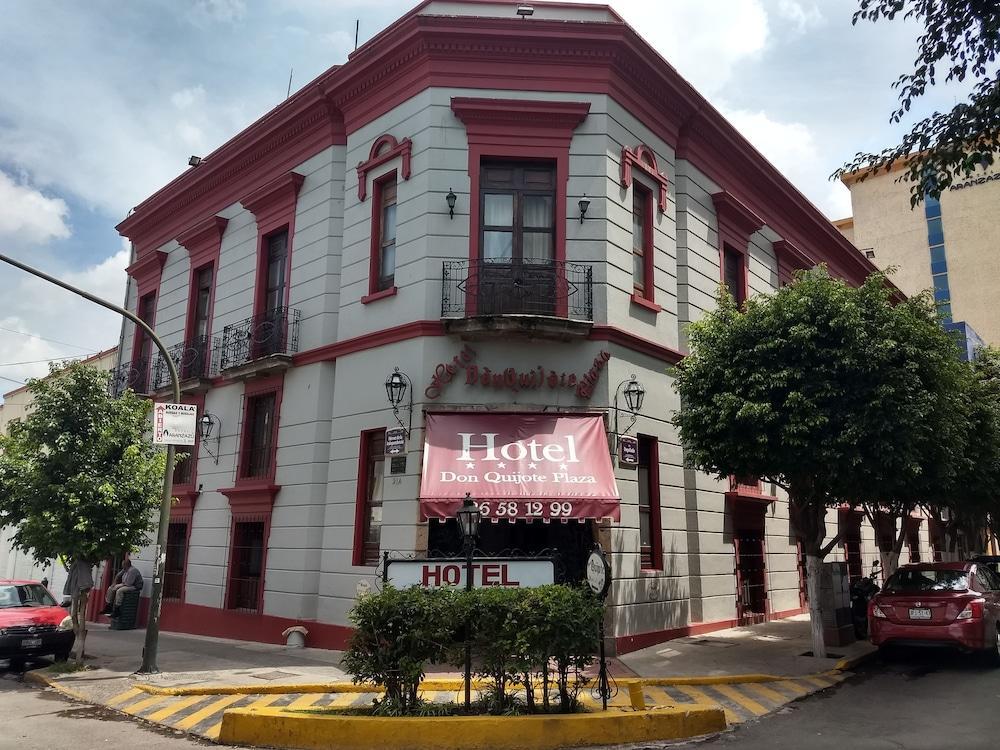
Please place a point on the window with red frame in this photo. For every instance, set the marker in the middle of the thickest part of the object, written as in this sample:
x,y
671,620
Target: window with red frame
x,y
196,359
370,497
139,375
649,504
175,560
257,460
383,263
246,569
184,468
734,274
642,242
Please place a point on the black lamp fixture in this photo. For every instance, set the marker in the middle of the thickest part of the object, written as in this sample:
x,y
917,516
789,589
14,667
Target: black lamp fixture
x,y
451,198
397,385
207,425
468,517
584,204
195,161
524,11
634,394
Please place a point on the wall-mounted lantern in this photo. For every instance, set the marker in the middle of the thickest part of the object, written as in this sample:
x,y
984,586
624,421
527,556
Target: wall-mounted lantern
x,y
397,385
451,198
634,394
583,204
208,425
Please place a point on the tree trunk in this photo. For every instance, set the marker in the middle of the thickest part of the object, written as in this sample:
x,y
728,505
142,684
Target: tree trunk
x,y
891,562
814,566
78,612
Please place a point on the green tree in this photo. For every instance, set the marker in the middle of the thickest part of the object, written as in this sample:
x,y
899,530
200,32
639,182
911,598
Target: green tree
x,y
835,393
79,478
960,41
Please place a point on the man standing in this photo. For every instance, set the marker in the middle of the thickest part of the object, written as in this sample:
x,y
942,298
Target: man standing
x,y
128,578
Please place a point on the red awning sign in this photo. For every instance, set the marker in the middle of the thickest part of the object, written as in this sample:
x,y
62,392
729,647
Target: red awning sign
x,y
516,466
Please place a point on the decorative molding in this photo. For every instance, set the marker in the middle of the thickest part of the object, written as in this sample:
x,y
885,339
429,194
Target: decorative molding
x,y
736,222
251,497
377,157
636,343
643,157
183,504
511,119
375,296
204,240
273,205
146,271
790,259
645,303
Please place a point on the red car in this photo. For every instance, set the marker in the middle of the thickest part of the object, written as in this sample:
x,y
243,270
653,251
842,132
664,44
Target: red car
x,y
31,623
939,604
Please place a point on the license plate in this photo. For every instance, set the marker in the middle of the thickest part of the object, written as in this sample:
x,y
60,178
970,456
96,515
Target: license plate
x,y
30,642
920,614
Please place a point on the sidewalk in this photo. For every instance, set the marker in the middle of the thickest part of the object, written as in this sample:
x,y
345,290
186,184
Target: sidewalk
x,y
749,672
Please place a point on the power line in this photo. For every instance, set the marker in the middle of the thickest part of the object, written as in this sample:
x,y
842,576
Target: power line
x,y
42,338
12,380
42,361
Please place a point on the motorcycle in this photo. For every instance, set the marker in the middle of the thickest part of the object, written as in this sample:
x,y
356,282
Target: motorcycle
x,y
863,591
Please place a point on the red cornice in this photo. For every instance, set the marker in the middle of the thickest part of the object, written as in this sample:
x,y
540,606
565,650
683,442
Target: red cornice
x,y
519,121
736,221
251,498
204,240
376,159
635,343
146,270
183,503
643,157
274,204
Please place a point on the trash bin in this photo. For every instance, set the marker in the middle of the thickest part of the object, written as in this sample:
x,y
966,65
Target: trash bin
x,y
128,612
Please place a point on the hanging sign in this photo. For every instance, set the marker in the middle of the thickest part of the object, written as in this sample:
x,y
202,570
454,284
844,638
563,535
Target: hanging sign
x,y
628,450
174,424
598,572
395,441
503,572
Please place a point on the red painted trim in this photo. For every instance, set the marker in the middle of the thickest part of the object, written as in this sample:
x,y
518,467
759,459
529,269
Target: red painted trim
x,y
361,498
273,206
203,241
186,494
656,532
226,623
138,335
375,251
735,221
790,259
376,159
643,302
643,157
248,514
185,518
375,296
404,332
183,503
146,271
259,490
251,496
635,343
625,644
648,247
519,129
206,261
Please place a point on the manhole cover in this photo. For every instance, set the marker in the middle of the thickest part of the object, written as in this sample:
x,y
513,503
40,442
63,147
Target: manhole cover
x,y
275,675
715,644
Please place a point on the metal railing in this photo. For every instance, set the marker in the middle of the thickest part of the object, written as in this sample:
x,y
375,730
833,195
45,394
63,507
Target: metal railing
x,y
483,288
193,359
272,332
134,375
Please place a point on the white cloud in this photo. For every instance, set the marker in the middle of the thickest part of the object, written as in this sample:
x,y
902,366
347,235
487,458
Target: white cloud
x,y
42,314
29,215
801,16
187,98
218,11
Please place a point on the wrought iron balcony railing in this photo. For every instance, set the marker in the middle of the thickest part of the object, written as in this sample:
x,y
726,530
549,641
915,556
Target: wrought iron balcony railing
x,y
272,332
486,288
134,375
193,359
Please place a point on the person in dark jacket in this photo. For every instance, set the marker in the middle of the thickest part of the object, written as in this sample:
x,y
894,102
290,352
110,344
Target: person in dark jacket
x,y
128,579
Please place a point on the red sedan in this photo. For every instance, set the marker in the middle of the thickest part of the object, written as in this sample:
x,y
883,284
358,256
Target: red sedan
x,y
31,623
939,604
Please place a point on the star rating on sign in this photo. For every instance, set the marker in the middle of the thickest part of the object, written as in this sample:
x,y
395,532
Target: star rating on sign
x,y
501,465
532,465
470,466
563,467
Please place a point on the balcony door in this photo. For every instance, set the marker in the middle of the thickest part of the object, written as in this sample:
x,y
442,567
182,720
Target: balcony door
x,y
269,331
195,361
516,272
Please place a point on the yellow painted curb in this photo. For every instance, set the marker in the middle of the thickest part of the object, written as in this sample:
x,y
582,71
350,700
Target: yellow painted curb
x,y
851,662
450,683
285,729
39,677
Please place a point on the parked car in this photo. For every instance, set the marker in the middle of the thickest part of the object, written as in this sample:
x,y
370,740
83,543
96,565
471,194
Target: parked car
x,y
939,604
32,623
992,561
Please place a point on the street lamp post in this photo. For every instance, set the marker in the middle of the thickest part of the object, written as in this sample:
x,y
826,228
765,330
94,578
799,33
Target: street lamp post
x,y
149,652
469,516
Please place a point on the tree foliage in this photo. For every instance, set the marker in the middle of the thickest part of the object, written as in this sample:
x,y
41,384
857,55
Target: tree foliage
x,y
960,41
79,479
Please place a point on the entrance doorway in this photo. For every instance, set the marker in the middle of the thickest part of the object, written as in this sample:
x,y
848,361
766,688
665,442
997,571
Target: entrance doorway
x,y
850,527
572,542
750,561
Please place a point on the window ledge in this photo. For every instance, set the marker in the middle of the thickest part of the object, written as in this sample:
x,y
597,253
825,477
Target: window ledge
x,y
648,304
251,495
375,296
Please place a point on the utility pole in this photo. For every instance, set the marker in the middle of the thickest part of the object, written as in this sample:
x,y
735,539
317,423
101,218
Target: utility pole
x,y
156,595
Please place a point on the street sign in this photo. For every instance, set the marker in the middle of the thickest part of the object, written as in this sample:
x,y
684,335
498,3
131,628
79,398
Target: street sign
x,y
507,572
395,441
628,450
174,424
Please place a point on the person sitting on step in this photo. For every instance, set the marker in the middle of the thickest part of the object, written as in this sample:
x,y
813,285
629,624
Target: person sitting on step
x,y
128,579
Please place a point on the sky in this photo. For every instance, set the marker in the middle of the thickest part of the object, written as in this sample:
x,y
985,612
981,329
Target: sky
x,y
102,103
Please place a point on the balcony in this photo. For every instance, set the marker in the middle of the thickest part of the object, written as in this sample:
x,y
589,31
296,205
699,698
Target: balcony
x,y
193,360
482,299
260,345
130,375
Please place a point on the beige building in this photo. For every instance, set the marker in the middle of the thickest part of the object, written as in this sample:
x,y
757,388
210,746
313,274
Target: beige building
x,y
14,563
948,245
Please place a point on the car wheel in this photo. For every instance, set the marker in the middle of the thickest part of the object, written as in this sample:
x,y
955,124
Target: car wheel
x,y
993,654
62,655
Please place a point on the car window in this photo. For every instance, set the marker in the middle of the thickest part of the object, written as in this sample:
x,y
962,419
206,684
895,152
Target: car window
x,y
914,581
25,595
989,579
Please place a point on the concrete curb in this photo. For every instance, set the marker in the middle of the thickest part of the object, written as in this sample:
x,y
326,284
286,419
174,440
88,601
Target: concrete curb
x,y
38,677
454,684
289,729
845,665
